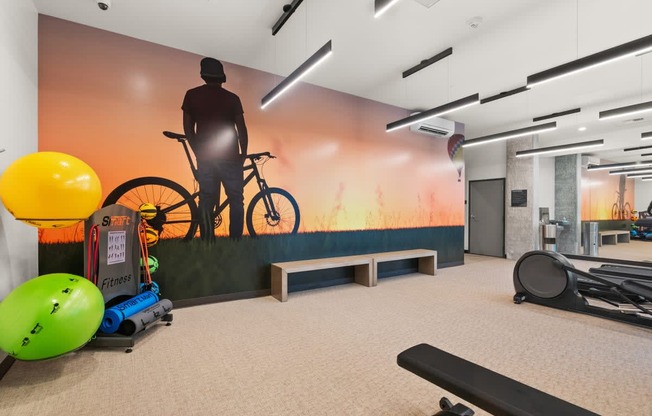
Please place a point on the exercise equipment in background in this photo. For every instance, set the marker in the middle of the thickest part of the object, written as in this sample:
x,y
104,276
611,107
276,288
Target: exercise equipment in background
x,y
490,391
49,316
548,278
50,190
117,242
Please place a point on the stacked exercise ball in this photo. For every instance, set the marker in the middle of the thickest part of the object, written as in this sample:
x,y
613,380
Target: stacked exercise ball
x,y
151,236
147,211
50,315
50,189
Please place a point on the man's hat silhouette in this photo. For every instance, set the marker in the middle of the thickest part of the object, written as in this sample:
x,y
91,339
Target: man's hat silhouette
x,y
211,67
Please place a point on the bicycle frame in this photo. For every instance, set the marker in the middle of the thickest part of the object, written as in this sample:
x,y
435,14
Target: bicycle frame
x,y
260,181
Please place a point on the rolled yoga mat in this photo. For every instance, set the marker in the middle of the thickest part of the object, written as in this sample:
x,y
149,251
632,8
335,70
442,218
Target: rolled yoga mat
x,y
118,313
147,316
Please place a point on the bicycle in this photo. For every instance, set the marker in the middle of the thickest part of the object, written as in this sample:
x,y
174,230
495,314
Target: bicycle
x,y
270,211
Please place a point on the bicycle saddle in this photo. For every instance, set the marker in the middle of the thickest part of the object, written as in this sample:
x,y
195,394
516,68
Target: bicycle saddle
x,y
172,135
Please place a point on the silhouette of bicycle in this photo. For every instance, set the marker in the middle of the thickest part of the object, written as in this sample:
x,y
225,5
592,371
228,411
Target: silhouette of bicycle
x,y
621,210
270,211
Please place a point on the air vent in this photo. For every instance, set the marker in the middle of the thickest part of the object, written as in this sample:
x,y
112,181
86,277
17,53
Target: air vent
x,y
432,130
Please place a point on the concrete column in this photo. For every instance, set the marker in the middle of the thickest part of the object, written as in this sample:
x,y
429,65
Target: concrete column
x,y
521,223
568,185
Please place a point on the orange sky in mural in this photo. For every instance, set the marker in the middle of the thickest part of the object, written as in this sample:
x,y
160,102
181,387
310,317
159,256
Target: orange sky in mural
x,y
600,195
106,98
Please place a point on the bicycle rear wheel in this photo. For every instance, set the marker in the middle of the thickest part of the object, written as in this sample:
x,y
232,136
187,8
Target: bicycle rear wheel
x,y
177,211
282,219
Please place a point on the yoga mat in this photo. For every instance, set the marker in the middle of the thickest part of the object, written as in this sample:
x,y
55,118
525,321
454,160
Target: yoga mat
x,y
142,319
118,313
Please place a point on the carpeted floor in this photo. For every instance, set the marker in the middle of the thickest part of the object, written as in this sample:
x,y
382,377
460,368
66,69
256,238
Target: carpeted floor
x,y
333,352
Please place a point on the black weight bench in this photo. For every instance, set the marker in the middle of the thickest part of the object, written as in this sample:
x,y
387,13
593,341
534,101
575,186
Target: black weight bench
x,y
492,392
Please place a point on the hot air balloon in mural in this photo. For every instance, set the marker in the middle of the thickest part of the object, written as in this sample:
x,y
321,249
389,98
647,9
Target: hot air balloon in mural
x,y
456,153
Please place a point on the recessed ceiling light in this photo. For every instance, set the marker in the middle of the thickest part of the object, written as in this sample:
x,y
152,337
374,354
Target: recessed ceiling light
x,y
582,129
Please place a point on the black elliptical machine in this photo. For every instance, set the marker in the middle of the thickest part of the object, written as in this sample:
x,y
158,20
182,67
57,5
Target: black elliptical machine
x,y
548,278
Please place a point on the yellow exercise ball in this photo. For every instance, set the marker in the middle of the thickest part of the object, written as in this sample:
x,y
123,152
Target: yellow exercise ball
x,y
50,189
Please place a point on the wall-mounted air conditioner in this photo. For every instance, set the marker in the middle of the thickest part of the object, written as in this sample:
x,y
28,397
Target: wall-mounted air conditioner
x,y
590,160
436,127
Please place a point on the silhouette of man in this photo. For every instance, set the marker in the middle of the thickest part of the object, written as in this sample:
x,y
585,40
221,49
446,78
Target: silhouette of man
x,y
214,124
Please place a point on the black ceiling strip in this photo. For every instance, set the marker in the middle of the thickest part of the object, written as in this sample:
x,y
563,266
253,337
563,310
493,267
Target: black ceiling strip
x,y
646,154
559,114
646,134
503,95
285,16
637,148
428,62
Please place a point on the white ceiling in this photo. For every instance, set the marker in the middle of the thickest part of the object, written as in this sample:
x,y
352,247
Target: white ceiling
x,y
515,39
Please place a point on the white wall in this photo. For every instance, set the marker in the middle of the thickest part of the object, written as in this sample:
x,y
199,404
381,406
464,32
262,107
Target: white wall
x,y
19,135
642,194
545,186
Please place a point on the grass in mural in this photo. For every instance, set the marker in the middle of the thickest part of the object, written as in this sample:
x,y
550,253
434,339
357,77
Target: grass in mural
x,y
197,269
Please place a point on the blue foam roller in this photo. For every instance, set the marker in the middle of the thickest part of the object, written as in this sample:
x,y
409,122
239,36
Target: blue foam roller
x,y
118,313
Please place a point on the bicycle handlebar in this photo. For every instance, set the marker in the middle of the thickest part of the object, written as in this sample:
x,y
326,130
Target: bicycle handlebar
x,y
182,137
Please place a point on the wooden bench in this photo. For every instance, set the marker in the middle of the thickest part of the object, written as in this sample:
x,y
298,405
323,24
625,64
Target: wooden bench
x,y
362,264
427,260
366,267
613,237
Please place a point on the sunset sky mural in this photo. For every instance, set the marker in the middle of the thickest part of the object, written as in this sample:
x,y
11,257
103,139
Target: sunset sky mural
x,y
106,98
601,195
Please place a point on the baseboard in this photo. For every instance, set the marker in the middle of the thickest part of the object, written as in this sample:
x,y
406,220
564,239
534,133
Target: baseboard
x,y
186,303
5,365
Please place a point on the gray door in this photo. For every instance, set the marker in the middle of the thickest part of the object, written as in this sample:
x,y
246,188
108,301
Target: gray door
x,y
487,217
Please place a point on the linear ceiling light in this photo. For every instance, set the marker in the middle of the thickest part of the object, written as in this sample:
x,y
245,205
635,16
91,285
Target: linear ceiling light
x,y
511,134
560,148
434,112
630,171
633,149
638,175
381,6
620,165
647,135
288,10
626,111
427,62
503,95
625,50
312,62
559,114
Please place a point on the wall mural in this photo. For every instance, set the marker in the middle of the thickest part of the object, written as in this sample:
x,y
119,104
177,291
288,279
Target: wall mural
x,y
606,197
341,184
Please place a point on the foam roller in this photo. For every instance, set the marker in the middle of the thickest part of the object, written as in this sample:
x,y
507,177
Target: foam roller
x,y
142,319
118,313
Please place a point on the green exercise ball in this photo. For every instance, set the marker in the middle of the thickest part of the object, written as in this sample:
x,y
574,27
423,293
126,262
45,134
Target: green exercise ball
x,y
49,315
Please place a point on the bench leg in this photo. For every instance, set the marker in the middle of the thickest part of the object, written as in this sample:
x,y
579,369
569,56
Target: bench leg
x,y
279,284
428,265
363,275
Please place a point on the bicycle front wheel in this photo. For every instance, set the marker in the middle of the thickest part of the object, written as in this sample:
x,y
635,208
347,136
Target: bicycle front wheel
x,y
177,211
273,211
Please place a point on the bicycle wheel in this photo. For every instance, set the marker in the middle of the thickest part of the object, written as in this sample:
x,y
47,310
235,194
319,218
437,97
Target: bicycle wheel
x,y
283,219
177,211
627,211
615,212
